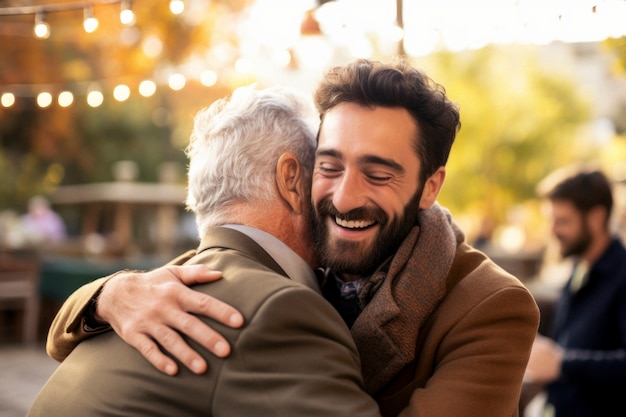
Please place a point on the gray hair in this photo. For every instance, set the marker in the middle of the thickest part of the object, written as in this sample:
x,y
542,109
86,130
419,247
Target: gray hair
x,y
235,146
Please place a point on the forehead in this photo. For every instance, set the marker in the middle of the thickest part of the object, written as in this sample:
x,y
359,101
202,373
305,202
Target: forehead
x,y
380,131
563,209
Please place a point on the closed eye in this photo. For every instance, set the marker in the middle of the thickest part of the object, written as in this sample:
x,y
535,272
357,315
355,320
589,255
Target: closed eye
x,y
328,170
379,179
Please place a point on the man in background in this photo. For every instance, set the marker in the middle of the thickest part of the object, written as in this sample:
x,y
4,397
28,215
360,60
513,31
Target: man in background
x,y
583,362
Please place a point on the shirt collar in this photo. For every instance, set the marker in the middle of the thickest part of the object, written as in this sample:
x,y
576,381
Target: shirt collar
x,y
295,267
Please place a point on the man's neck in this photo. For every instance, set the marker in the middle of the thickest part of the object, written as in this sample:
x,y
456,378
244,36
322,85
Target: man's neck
x,y
597,248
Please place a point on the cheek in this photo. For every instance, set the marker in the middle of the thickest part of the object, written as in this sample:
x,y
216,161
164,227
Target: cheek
x,y
319,189
391,205
564,230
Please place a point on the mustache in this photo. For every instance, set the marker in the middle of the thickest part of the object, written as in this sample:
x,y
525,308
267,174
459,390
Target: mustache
x,y
327,208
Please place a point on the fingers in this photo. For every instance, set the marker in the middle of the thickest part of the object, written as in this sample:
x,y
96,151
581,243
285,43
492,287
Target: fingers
x,y
155,308
208,306
172,342
199,331
148,348
195,274
200,303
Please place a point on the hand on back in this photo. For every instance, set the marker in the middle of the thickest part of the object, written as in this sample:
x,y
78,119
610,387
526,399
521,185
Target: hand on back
x,y
146,308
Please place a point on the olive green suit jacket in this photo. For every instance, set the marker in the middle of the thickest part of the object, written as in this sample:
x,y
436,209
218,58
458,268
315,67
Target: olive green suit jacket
x,y
293,357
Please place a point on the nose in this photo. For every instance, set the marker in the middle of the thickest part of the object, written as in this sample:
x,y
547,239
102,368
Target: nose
x,y
350,193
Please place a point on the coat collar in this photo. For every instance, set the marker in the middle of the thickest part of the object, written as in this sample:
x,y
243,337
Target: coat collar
x,y
224,237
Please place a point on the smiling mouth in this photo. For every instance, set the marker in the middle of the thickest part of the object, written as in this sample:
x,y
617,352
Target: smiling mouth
x,y
354,224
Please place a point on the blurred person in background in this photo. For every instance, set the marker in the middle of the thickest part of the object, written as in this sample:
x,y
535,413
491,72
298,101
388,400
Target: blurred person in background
x,y
583,361
41,224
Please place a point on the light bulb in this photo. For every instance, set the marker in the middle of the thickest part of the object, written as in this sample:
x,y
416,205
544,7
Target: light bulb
x,y
177,6
127,16
90,23
41,28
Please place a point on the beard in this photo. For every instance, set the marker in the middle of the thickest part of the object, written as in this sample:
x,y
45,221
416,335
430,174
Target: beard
x,y
361,258
578,246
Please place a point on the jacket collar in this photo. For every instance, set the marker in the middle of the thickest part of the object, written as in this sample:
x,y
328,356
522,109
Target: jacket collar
x,y
224,237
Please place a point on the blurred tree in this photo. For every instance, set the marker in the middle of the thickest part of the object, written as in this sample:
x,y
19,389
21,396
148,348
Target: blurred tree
x,y
519,122
617,46
43,147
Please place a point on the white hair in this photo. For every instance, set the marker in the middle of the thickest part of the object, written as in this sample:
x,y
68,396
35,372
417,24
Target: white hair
x,y
235,145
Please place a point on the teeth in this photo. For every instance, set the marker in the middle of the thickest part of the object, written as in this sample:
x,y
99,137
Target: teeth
x,y
353,224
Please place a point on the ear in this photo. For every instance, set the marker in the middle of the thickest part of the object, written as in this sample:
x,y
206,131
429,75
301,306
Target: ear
x,y
432,186
290,181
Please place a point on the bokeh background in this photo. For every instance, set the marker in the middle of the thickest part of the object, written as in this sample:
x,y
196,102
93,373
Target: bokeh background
x,y
97,100
96,119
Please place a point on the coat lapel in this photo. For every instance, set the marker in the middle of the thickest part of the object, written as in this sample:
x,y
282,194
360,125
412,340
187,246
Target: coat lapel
x,y
399,301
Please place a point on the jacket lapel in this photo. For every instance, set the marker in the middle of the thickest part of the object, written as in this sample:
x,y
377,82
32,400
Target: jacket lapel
x,y
400,297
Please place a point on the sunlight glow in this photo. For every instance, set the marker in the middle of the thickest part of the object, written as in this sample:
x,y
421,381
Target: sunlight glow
x,y
358,26
456,25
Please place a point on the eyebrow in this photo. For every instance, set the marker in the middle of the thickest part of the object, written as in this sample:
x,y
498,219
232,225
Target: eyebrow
x,y
367,159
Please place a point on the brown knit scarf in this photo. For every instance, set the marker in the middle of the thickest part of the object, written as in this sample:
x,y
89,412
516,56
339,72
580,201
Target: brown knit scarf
x,y
401,295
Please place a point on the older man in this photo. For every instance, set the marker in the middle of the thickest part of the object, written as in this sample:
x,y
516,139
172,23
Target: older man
x,y
249,186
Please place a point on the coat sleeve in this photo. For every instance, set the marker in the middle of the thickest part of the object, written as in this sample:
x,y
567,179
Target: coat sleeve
x,y
67,329
602,361
481,358
296,357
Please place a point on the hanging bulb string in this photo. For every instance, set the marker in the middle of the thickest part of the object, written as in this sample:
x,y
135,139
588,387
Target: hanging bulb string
x,y
53,8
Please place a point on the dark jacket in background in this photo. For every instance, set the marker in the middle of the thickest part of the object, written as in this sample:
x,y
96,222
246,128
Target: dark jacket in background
x,y
591,325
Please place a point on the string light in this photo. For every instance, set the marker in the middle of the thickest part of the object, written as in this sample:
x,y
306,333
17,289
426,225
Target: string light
x,y
44,94
42,28
147,88
90,23
44,99
65,99
127,16
121,92
177,6
177,81
7,99
208,78
95,98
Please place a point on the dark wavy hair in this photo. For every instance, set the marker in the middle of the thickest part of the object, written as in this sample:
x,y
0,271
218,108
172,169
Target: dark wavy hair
x,y
397,84
585,190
